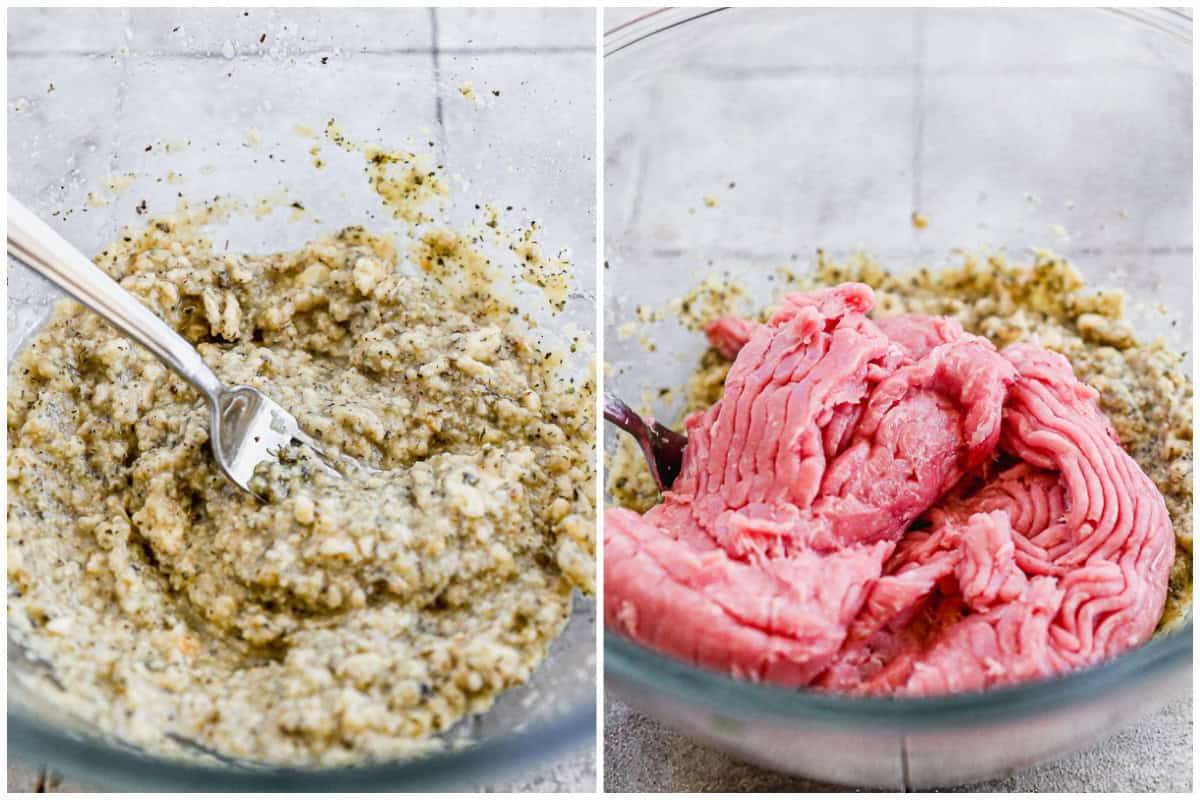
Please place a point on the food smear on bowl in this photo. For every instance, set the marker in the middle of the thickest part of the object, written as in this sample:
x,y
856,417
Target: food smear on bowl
x,y
347,618
896,506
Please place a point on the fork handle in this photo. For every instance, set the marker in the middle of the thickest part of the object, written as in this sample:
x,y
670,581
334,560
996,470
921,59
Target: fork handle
x,y
34,244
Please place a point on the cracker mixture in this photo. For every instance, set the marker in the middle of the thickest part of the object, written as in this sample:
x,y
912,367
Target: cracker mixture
x,y
346,618
1143,389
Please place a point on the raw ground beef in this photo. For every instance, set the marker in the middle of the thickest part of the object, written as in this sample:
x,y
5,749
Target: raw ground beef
x,y
892,507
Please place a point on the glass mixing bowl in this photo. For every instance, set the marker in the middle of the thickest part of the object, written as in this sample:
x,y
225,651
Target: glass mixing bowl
x,y
828,129
214,96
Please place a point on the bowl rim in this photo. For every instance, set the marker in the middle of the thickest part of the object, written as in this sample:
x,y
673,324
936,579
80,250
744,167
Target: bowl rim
x,y
627,661
1175,22
91,759
630,663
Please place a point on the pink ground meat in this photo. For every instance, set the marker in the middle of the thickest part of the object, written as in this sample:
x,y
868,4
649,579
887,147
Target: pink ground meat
x,y
892,507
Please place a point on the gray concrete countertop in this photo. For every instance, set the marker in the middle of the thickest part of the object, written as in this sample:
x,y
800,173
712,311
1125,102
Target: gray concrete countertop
x,y
642,755
574,773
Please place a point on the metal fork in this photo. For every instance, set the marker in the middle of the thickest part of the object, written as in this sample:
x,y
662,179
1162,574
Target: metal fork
x,y
247,427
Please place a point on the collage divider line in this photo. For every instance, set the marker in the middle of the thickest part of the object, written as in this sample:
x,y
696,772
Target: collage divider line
x,y
599,367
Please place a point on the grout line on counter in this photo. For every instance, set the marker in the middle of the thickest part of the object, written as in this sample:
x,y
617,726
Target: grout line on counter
x,y
726,72
532,50
435,54
918,77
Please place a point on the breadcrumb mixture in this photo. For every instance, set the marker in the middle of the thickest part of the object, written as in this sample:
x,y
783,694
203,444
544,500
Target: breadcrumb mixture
x,y
1143,387
347,618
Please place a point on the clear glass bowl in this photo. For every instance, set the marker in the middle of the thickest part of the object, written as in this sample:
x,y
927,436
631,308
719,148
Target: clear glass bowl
x,y
96,93
819,128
